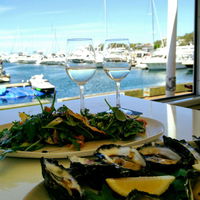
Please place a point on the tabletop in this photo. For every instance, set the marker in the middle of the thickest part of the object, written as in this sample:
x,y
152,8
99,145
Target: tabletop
x,y
18,176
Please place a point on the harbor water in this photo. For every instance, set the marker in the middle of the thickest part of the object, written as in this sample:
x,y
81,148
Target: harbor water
x,y
100,82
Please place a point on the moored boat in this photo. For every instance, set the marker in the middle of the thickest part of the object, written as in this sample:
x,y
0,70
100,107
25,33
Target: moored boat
x,y
158,60
3,76
40,84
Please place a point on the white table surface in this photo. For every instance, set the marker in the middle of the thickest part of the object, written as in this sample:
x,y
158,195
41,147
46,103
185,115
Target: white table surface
x,y
18,176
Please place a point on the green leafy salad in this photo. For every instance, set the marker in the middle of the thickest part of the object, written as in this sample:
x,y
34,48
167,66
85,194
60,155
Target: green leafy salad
x,y
64,127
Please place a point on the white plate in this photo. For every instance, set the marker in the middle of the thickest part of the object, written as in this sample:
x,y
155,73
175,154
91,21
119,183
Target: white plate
x,y
38,192
154,130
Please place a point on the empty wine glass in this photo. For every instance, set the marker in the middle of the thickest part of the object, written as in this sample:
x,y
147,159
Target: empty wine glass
x,y
81,65
117,62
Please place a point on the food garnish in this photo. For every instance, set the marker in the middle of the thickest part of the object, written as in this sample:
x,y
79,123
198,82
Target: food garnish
x,y
64,127
156,185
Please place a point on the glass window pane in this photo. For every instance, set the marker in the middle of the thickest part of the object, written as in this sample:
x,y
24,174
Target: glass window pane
x,y
34,33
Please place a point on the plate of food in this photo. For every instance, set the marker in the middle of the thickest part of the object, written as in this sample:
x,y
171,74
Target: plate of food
x,y
58,133
154,171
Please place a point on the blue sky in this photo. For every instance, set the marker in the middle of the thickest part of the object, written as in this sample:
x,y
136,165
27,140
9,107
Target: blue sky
x,y
28,25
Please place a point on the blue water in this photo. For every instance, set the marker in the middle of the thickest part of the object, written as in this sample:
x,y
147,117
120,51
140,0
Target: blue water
x,y
100,83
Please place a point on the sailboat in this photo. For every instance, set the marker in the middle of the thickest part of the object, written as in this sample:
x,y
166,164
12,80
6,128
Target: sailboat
x,y
158,59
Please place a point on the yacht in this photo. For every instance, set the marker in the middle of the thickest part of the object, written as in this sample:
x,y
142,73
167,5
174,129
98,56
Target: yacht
x,y
99,59
158,59
3,76
139,58
30,59
187,53
53,59
40,84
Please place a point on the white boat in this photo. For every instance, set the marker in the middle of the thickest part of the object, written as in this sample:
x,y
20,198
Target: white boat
x,y
52,59
30,59
3,76
99,59
139,57
187,53
118,55
158,60
39,83
189,62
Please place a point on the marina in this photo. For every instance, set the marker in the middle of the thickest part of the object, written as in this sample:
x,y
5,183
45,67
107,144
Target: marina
x,y
100,83
152,59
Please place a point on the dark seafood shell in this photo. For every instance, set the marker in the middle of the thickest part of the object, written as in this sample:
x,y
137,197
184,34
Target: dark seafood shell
x,y
137,195
193,185
122,156
187,158
160,157
58,181
94,174
196,141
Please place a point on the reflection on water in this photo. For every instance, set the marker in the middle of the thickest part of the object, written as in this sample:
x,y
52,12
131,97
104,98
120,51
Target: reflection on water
x,y
98,84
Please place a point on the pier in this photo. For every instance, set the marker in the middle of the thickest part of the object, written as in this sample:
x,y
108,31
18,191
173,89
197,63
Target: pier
x,y
9,85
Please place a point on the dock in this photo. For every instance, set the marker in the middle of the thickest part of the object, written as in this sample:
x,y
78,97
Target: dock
x,y
9,85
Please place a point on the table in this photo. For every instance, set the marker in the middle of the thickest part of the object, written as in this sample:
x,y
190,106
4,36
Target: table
x,y
18,176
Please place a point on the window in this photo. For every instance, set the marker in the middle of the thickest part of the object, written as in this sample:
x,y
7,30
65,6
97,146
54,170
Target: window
x,y
35,33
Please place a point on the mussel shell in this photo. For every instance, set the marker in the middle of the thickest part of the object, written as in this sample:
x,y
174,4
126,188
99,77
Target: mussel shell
x,y
53,181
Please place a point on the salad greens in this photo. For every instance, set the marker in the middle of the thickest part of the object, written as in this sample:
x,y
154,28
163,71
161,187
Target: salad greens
x,y
64,127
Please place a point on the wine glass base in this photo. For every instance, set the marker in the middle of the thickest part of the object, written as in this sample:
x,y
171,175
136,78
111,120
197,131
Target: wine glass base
x,y
130,112
127,111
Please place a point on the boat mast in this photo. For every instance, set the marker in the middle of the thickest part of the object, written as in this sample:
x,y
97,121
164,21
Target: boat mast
x,y
152,19
155,22
105,18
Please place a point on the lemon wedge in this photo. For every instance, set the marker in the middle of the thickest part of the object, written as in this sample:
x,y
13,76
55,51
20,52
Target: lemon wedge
x,y
151,184
196,166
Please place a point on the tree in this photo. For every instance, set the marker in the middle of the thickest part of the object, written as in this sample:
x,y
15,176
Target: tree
x,y
157,44
186,39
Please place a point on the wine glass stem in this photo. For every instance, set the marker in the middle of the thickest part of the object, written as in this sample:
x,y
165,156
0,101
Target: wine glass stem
x,y
82,105
118,94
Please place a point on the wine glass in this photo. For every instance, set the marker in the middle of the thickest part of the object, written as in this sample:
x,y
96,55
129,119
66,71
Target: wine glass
x,y
117,62
81,65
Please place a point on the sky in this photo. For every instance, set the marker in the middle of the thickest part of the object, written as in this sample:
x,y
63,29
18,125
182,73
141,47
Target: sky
x,y
45,25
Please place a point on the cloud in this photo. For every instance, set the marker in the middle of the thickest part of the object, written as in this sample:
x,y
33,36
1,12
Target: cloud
x,y
51,12
46,31
4,9
36,37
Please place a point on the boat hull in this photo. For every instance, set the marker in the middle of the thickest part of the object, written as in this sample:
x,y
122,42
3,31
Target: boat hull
x,y
4,79
162,66
40,84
